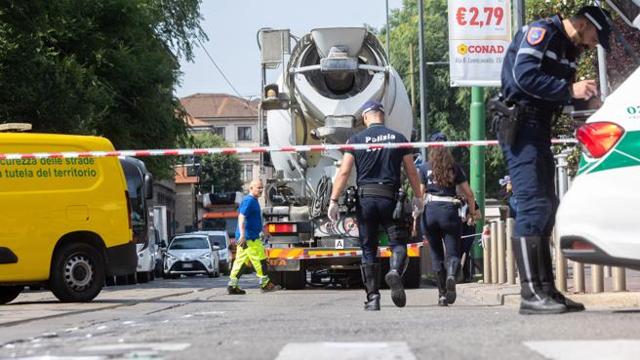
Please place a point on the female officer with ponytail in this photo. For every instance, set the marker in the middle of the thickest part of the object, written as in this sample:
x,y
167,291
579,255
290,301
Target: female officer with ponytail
x,y
442,179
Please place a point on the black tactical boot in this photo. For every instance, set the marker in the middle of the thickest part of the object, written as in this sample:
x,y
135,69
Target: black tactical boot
x,y
397,266
452,269
534,300
371,280
235,290
441,279
547,279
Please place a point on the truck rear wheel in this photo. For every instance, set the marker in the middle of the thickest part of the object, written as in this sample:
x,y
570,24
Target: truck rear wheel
x,y
295,280
77,273
412,276
9,293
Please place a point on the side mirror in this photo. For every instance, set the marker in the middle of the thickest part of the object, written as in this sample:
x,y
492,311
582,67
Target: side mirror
x,y
163,244
148,186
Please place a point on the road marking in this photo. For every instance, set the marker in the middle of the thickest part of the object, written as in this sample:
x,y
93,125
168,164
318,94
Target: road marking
x,y
586,349
49,357
138,346
346,350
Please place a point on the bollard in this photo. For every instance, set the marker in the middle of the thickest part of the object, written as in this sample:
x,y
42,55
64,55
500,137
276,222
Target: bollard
x,y
561,266
502,275
486,257
619,279
607,271
597,278
511,268
494,252
578,277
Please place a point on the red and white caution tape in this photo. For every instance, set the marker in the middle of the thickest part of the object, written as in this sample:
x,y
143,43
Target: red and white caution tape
x,y
258,149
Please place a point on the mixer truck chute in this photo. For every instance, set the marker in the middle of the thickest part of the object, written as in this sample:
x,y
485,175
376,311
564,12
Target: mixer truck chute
x,y
325,79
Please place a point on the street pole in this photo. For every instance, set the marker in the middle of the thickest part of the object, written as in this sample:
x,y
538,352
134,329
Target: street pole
x,y
477,175
423,103
518,14
412,82
388,32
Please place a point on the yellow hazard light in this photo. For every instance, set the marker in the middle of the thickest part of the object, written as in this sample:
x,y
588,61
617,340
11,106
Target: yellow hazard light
x,y
271,93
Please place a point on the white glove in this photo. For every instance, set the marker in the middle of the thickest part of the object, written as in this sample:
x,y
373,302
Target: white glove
x,y
332,213
417,206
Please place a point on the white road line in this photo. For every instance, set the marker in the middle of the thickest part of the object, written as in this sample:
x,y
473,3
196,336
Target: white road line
x,y
586,349
346,350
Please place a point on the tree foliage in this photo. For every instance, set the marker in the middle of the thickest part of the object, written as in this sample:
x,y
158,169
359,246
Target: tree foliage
x,y
97,67
219,172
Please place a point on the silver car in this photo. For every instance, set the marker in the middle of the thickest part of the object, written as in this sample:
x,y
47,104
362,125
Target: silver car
x,y
191,254
220,238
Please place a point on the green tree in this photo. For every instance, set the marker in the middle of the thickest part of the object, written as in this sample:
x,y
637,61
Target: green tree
x,y
220,172
98,67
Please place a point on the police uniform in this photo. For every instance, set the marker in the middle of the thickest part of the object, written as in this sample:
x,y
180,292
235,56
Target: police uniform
x,y
442,226
538,72
378,181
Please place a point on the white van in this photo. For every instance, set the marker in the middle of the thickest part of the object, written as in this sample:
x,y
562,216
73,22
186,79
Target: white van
x,y
598,221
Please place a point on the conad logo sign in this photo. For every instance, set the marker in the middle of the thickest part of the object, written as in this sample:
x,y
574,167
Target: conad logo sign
x,y
464,49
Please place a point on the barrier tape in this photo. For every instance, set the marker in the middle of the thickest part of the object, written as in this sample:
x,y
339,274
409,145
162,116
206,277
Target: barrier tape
x,y
258,149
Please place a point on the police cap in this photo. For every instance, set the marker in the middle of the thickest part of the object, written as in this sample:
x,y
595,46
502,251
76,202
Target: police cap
x,y
438,136
601,20
372,105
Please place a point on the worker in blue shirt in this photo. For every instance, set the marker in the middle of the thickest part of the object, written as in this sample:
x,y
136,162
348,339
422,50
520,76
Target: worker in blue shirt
x,y
248,241
378,180
537,80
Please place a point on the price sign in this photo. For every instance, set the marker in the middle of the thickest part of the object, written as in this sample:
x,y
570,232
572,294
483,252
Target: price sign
x,y
479,34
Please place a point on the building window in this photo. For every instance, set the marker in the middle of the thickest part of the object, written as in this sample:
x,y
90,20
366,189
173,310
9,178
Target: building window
x,y
244,133
247,172
218,131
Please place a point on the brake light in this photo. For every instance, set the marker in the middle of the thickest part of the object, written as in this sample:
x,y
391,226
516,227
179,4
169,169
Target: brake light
x,y
282,228
599,137
581,245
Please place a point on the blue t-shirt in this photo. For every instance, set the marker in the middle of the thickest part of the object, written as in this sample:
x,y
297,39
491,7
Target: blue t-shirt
x,y
250,208
433,188
378,166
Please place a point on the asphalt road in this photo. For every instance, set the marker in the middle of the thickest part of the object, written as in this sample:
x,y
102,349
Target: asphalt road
x,y
194,318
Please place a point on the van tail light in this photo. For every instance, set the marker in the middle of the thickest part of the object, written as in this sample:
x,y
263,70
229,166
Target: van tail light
x,y
582,246
599,137
281,228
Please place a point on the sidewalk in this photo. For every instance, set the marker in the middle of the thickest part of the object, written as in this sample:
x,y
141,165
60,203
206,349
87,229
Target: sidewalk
x,y
509,295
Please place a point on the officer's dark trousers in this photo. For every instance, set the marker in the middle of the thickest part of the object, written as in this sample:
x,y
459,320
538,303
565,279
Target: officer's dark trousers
x,y
532,169
443,228
372,212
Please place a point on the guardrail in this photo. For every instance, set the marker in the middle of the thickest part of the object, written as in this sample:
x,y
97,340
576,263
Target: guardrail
x,y
499,265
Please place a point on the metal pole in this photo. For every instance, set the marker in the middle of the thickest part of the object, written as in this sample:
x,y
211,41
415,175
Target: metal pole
x,y
502,275
477,153
494,252
511,269
602,73
619,279
597,279
518,14
388,32
412,82
423,102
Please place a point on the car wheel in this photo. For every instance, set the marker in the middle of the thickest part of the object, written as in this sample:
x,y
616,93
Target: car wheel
x,y
152,275
143,277
212,274
77,273
9,293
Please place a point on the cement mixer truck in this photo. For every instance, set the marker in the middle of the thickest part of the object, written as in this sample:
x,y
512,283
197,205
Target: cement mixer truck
x,y
323,80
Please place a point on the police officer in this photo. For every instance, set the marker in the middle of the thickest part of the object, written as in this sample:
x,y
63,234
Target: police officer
x,y
378,181
538,78
442,179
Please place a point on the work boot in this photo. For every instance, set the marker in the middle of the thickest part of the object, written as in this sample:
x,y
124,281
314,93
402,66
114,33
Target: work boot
x,y
547,280
394,277
371,280
235,290
441,279
452,269
534,300
269,287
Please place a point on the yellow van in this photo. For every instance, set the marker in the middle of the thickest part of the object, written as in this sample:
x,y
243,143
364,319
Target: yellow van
x,y
64,222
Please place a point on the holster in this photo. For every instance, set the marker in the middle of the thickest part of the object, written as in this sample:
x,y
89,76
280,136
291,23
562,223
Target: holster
x,y
505,121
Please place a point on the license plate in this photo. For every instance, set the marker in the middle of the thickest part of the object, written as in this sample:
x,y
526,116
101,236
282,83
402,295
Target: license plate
x,y
187,265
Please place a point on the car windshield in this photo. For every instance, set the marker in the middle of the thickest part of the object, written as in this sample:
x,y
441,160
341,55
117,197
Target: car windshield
x,y
219,239
189,243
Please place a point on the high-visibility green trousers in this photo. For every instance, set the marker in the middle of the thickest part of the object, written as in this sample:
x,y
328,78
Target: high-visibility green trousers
x,y
255,253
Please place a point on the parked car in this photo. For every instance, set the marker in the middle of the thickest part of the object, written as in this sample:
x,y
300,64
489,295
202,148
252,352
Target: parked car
x,y
191,254
220,238
597,220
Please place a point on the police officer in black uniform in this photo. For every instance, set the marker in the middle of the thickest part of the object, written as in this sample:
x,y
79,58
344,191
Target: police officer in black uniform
x,y
537,79
442,180
378,180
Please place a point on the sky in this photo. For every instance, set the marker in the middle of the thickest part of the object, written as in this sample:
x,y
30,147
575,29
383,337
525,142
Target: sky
x,y
232,26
